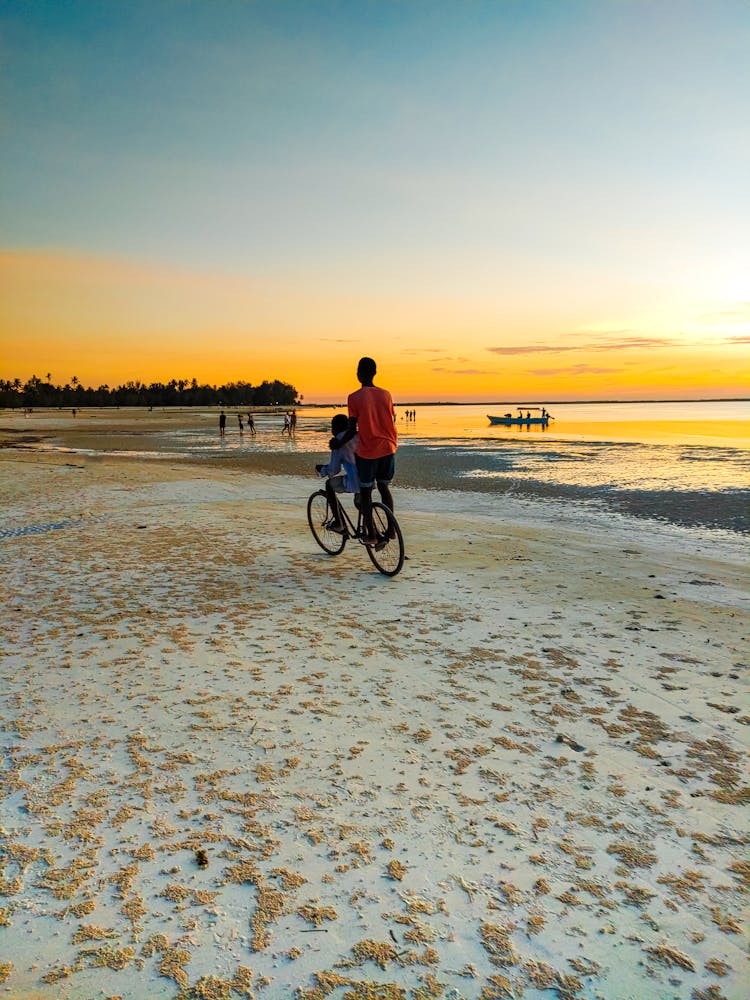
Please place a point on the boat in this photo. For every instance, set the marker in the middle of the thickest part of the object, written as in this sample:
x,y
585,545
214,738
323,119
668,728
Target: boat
x,y
523,418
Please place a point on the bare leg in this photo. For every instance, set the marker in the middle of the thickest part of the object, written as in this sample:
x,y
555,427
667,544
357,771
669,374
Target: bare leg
x,y
365,500
385,495
333,503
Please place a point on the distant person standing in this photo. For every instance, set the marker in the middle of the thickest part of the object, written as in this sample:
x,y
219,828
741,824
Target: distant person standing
x,y
222,424
251,424
285,428
239,421
292,422
373,417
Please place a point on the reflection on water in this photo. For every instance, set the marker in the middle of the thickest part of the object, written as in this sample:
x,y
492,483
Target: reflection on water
x,y
665,450
613,464
631,446
684,423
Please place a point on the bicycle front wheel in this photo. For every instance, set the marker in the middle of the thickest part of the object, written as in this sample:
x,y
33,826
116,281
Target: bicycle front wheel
x,y
319,514
388,555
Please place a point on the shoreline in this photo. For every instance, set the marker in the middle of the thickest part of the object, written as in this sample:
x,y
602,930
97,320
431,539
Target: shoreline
x,y
281,407
516,767
440,466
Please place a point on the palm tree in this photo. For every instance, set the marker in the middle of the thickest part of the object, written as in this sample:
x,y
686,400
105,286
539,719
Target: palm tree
x,y
74,381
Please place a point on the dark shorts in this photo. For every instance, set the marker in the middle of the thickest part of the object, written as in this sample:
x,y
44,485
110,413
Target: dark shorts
x,y
376,470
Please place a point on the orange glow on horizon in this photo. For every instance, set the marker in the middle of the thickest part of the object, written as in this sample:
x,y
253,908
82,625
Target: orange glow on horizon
x,y
109,321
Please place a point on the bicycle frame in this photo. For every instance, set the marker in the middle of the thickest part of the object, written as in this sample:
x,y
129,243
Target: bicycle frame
x,y
386,554
352,531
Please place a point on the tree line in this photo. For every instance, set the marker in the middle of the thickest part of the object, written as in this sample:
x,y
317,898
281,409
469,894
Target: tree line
x,y
176,392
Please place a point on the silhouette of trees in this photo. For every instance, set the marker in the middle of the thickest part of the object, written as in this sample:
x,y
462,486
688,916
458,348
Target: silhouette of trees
x,y
176,392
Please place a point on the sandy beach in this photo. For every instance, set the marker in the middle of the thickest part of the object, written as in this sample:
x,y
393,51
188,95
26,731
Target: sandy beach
x,y
236,767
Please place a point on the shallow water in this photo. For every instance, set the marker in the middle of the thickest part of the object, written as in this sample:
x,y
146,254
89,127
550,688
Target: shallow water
x,y
673,449
684,462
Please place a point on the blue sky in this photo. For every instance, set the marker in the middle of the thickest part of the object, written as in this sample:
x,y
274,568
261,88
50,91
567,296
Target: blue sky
x,y
469,150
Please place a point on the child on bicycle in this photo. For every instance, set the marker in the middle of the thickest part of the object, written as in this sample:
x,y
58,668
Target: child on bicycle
x,y
341,471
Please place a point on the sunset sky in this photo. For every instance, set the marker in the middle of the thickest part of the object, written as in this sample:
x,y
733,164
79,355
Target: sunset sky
x,y
496,200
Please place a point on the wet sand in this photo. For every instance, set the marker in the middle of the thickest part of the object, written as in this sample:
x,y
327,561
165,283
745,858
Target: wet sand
x,y
178,435
234,766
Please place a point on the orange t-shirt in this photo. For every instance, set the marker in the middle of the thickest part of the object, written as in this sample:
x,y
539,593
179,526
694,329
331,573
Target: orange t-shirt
x,y
373,408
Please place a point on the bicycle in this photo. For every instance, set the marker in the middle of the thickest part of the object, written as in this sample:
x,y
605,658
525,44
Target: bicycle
x,y
387,555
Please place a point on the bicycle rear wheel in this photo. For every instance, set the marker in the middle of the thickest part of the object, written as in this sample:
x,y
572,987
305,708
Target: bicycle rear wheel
x,y
388,555
319,514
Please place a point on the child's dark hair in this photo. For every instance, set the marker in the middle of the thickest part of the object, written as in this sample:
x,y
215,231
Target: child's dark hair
x,y
339,423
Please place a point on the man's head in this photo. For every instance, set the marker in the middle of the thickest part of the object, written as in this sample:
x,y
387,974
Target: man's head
x,y
339,423
366,370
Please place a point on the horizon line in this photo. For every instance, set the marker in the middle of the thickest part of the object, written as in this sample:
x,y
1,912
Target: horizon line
x,y
430,402
546,401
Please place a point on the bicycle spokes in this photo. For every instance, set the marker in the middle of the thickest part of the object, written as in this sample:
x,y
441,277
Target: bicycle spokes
x,y
387,554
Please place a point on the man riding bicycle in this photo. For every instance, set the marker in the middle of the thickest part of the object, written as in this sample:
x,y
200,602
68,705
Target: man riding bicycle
x,y
372,417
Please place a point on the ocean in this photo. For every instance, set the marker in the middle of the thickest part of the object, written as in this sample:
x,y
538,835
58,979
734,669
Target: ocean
x,y
686,462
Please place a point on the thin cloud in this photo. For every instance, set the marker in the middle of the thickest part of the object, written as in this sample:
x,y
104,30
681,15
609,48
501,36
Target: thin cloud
x,y
597,333
465,371
627,343
737,314
449,358
630,342
575,370
737,340
531,349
